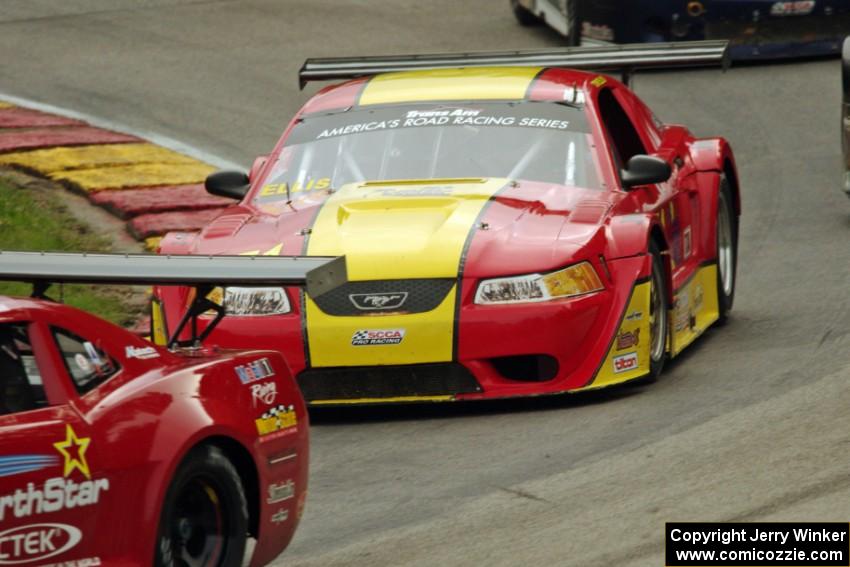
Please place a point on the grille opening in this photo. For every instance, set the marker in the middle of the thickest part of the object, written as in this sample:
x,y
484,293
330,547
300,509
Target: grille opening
x,y
346,383
526,367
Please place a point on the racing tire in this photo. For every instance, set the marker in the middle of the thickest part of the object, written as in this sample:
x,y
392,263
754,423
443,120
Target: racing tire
x,y
727,250
524,16
573,24
204,519
659,323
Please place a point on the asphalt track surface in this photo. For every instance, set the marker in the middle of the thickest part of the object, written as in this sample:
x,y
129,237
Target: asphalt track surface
x,y
752,423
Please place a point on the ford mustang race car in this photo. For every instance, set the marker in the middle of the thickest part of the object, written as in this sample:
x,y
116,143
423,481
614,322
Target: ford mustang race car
x,y
117,452
512,226
756,28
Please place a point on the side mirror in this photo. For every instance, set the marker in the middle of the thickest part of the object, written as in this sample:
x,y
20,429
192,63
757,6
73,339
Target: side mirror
x,y
645,170
230,184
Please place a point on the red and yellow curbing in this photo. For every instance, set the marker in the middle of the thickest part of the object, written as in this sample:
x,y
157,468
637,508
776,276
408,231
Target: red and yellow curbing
x,y
164,187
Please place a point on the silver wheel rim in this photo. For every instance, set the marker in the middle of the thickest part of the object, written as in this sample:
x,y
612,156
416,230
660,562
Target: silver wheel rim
x,y
657,318
725,253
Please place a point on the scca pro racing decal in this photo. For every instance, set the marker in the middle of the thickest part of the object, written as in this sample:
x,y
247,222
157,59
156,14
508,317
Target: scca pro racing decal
x,y
625,362
367,337
37,542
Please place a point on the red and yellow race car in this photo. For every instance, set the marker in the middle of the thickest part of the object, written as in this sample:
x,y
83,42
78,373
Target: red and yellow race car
x,y
512,225
117,452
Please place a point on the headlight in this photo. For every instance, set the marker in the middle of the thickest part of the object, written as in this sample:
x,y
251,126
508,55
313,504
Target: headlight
x,y
569,282
251,300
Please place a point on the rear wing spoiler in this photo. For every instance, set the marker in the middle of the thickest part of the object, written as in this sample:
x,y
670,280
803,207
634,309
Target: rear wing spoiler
x,y
318,275
625,59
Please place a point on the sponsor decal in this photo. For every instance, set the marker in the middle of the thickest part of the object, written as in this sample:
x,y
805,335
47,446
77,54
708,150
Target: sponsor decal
x,y
625,362
87,562
681,311
254,371
74,449
20,464
265,393
634,316
573,94
698,298
37,542
281,492
686,243
378,301
276,189
457,117
430,191
628,340
136,352
93,354
82,363
57,493
367,337
597,31
280,516
278,421
599,81
799,8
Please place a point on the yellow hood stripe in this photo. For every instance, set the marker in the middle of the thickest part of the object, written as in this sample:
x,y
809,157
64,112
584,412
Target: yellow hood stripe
x,y
486,83
399,232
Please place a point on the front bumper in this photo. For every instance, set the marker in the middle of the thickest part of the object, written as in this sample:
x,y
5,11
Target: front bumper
x,y
500,351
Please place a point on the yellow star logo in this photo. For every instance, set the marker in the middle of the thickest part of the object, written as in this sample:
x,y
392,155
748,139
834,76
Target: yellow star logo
x,y
74,450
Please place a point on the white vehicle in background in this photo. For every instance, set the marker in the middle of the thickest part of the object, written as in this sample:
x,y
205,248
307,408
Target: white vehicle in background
x,y
560,15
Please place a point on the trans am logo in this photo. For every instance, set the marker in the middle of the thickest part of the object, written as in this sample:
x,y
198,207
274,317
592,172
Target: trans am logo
x,y
368,337
378,301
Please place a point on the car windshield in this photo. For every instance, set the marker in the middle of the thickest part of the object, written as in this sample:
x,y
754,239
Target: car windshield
x,y
532,141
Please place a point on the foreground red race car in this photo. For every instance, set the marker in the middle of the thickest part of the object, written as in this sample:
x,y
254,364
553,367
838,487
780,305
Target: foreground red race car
x,y
117,452
513,226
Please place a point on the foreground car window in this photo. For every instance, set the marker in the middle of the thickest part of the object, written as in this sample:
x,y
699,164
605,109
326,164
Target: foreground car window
x,y
88,365
531,141
21,388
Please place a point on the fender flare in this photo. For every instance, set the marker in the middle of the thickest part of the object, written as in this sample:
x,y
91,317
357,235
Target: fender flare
x,y
629,235
716,155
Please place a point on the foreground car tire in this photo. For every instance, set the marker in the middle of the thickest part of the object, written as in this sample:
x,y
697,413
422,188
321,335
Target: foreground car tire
x,y
523,16
204,520
658,319
727,250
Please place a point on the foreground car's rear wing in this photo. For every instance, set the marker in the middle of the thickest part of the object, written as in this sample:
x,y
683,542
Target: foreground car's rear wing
x,y
624,59
318,275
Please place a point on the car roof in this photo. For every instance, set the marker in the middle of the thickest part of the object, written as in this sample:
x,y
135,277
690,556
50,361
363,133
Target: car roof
x,y
474,83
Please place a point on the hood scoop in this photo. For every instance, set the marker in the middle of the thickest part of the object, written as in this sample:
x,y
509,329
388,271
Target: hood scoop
x,y
590,211
226,225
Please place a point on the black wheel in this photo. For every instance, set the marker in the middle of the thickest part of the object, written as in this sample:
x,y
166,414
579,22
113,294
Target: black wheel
x,y
727,249
523,15
204,520
658,320
573,24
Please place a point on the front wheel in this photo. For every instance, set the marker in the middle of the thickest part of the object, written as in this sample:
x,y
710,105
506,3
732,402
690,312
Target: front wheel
x,y
658,321
727,250
204,520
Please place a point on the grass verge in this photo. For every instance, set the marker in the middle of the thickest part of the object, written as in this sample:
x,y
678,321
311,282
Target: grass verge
x,y
32,219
